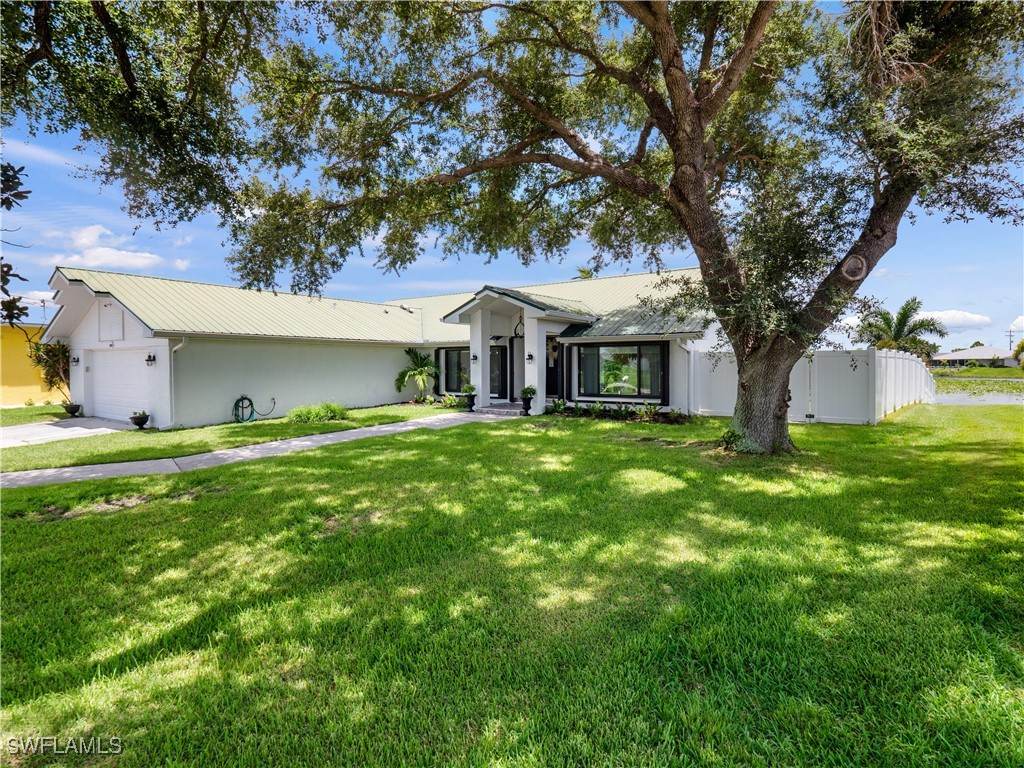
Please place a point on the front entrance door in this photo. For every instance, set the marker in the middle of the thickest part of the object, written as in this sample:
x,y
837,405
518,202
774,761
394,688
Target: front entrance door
x,y
555,353
499,373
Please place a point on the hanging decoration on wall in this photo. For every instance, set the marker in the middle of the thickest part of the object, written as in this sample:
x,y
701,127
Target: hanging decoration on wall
x,y
553,348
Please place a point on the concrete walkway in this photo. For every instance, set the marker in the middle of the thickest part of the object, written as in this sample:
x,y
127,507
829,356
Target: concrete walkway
x,y
62,429
232,455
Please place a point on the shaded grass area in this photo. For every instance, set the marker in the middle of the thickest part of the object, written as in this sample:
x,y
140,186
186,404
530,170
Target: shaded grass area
x,y
137,445
12,417
537,592
977,373
948,386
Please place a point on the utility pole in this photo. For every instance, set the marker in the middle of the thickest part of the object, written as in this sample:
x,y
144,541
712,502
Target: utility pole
x,y
1009,335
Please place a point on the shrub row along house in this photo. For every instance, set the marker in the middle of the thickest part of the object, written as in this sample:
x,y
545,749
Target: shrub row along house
x,y
185,351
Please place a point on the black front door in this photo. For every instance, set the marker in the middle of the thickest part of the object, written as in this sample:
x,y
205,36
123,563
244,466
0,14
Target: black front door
x,y
499,372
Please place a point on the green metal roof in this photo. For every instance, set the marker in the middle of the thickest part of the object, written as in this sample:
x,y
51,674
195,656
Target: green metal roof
x,y
170,306
544,303
634,321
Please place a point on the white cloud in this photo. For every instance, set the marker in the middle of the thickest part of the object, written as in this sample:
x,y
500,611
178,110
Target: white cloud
x,y
180,241
89,237
958,319
36,298
22,153
1018,324
94,246
850,322
102,256
181,264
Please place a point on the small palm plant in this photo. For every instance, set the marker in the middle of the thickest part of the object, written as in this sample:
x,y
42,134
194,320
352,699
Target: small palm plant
x,y
902,331
421,369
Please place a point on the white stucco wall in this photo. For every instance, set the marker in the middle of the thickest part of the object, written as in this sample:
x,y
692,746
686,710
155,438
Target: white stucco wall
x,y
210,374
152,384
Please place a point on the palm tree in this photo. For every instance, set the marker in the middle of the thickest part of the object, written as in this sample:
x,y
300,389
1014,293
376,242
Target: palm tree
x,y
902,331
585,273
421,369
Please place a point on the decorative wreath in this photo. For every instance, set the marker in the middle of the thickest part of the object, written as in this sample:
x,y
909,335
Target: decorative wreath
x,y
553,348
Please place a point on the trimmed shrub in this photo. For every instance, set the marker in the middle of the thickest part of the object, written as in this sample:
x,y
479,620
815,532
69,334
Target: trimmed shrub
x,y
318,414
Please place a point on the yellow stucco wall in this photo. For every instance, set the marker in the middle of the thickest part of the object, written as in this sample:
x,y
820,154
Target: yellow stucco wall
x,y
19,381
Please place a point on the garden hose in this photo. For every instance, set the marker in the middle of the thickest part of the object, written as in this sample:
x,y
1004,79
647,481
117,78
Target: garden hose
x,y
244,410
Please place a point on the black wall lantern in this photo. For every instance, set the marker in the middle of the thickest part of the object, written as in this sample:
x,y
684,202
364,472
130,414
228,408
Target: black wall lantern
x,y
150,359
474,357
74,361
529,357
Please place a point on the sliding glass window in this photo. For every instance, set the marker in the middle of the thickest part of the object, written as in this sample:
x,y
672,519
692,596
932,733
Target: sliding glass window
x,y
633,371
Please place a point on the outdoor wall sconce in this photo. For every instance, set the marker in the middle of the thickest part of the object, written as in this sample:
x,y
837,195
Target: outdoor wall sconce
x,y
74,361
474,357
529,357
150,359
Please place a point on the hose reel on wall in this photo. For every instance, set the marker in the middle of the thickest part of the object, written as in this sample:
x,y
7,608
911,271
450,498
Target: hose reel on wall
x,y
244,410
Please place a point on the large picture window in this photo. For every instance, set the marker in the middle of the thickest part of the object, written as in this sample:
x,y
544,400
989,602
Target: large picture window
x,y
633,371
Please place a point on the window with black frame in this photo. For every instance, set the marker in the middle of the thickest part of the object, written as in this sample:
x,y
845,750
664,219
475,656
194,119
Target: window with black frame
x,y
622,370
456,369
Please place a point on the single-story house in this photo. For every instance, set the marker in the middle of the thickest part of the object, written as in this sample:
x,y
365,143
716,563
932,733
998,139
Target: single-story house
x,y
20,381
984,355
184,351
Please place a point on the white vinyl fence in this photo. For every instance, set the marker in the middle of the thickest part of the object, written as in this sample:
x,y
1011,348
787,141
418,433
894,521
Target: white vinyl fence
x,y
841,387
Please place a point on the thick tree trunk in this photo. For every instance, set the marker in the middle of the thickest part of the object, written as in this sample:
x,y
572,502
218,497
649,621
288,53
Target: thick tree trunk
x,y
760,422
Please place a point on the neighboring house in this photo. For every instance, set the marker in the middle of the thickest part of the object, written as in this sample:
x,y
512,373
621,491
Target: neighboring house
x,y
983,355
185,351
20,380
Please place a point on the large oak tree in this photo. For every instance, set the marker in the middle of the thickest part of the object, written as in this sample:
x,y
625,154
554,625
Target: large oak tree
x,y
782,144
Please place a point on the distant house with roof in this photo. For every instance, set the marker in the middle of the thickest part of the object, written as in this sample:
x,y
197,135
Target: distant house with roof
x,y
185,351
983,355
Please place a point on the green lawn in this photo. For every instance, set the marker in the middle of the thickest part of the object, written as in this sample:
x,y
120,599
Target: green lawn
x,y
978,387
537,592
136,445
11,417
978,373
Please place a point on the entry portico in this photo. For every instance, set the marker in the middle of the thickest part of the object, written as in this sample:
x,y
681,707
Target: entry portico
x,y
530,325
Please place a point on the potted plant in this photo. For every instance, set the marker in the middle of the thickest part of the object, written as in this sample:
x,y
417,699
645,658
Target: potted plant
x,y
470,392
71,408
139,419
527,393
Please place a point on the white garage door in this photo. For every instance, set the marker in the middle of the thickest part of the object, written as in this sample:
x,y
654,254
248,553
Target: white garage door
x,y
119,383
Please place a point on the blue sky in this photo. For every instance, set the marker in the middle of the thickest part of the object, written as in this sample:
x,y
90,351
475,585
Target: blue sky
x,y
970,275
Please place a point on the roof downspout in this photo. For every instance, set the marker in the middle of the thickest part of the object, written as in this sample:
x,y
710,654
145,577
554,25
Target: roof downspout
x,y
184,341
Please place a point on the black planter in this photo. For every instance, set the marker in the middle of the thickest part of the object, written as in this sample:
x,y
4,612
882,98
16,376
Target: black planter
x,y
527,402
73,409
471,401
139,421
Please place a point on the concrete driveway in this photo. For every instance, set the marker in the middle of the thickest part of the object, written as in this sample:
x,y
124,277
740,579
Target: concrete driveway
x,y
64,429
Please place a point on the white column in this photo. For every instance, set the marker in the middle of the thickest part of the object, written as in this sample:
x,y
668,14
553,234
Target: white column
x,y
480,348
536,344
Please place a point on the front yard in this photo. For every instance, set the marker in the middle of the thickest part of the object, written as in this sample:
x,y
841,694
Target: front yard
x,y
138,445
537,592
